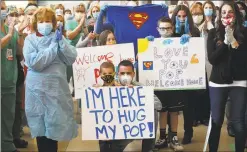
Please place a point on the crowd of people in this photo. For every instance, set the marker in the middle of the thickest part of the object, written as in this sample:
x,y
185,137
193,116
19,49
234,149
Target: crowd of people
x,y
38,48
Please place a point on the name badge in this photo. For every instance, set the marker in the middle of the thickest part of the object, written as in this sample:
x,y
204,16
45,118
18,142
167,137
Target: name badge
x,y
9,55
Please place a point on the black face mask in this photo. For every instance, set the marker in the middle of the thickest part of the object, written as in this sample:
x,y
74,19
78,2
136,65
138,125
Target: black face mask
x,y
107,78
90,28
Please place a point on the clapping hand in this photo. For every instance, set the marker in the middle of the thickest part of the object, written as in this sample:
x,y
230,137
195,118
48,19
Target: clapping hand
x,y
11,27
59,33
229,35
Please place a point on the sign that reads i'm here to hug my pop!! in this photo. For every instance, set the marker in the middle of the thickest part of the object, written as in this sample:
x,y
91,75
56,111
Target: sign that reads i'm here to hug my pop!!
x,y
117,113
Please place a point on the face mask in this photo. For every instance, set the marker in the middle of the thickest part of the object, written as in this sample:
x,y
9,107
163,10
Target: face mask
x,y
59,23
125,79
90,28
243,12
165,33
3,14
182,27
170,15
208,12
68,17
96,15
59,12
245,23
227,20
44,28
107,78
21,18
78,16
111,43
197,19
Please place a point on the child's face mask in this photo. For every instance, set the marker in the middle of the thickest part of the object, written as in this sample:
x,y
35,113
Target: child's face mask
x,y
108,78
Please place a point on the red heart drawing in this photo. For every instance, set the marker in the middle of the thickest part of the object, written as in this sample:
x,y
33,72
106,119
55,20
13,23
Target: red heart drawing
x,y
138,19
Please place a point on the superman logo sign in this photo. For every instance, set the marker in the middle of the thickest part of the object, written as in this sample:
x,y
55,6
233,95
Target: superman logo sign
x,y
138,19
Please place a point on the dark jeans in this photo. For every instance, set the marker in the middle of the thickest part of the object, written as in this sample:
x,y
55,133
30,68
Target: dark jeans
x,y
18,113
202,105
188,112
46,145
218,97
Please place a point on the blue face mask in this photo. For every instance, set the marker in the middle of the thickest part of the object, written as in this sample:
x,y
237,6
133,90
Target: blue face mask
x,y
3,14
44,28
96,15
245,23
182,27
208,12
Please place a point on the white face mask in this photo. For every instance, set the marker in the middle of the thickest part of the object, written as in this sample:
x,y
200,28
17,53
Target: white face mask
x,y
165,33
78,16
68,17
243,12
125,79
59,12
170,15
197,19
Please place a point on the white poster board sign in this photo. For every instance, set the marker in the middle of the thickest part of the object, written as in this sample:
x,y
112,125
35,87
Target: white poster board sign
x,y
117,113
168,65
86,67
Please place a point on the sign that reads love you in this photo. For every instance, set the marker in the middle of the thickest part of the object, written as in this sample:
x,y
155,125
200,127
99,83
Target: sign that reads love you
x,y
117,113
86,67
171,64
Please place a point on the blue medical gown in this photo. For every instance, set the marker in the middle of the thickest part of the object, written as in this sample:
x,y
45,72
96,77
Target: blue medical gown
x,y
49,104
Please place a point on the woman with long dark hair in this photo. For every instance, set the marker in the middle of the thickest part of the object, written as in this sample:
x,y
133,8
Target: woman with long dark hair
x,y
184,25
227,53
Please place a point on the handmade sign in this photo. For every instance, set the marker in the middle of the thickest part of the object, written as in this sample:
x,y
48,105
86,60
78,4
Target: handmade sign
x,y
117,113
86,67
169,64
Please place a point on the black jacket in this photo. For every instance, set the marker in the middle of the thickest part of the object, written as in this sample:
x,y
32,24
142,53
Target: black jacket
x,y
228,64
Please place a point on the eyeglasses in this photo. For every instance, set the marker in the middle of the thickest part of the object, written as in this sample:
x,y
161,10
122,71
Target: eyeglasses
x,y
165,28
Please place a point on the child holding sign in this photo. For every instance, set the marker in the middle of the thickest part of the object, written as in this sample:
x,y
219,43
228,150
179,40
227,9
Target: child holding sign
x,y
171,100
107,73
126,76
